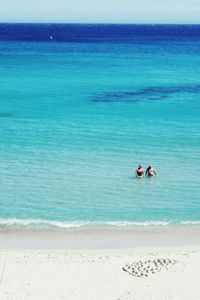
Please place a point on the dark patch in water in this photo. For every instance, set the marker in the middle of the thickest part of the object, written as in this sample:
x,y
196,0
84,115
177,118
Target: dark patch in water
x,y
146,94
6,115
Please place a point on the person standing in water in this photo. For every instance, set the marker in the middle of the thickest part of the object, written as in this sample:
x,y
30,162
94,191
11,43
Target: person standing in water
x,y
150,171
139,172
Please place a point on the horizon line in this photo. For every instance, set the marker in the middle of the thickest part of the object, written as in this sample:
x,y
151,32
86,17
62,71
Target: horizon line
x,y
96,23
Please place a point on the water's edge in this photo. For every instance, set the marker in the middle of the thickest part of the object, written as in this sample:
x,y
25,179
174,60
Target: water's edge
x,y
49,224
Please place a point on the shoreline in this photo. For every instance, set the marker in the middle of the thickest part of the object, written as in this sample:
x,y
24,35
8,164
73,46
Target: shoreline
x,y
99,237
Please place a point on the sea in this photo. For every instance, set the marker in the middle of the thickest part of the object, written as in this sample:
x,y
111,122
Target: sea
x,y
81,105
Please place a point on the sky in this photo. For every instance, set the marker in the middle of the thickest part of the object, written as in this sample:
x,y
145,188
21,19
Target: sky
x,y
101,11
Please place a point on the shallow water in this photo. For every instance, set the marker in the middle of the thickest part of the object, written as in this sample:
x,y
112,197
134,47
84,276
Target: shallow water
x,y
78,116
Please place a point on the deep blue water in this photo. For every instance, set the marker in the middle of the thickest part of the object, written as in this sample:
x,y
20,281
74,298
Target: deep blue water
x,y
109,33
81,106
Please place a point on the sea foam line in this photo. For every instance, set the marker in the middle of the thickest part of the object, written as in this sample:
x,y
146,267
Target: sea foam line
x,y
40,223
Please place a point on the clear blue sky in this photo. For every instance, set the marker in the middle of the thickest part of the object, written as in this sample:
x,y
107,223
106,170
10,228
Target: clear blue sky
x,y
101,11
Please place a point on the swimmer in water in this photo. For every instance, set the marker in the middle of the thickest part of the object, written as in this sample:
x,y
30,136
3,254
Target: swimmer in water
x,y
139,172
150,171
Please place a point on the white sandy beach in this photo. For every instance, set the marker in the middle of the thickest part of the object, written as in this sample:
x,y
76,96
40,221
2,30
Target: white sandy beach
x,y
81,273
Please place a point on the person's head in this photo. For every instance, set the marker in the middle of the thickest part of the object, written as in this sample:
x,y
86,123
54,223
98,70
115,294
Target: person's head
x,y
140,166
150,166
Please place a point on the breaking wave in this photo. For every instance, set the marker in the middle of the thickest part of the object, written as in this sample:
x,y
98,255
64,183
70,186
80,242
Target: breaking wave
x,y
48,224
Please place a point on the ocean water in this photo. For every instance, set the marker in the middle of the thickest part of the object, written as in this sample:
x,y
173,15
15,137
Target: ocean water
x,y
81,106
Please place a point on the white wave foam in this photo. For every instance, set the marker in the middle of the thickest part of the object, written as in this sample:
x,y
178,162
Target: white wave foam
x,y
130,224
74,224
190,223
39,223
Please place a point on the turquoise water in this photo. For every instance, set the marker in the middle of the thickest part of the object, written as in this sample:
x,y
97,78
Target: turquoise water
x,y
78,117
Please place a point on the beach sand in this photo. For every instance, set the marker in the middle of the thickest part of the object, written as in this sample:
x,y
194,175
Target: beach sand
x,y
37,265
